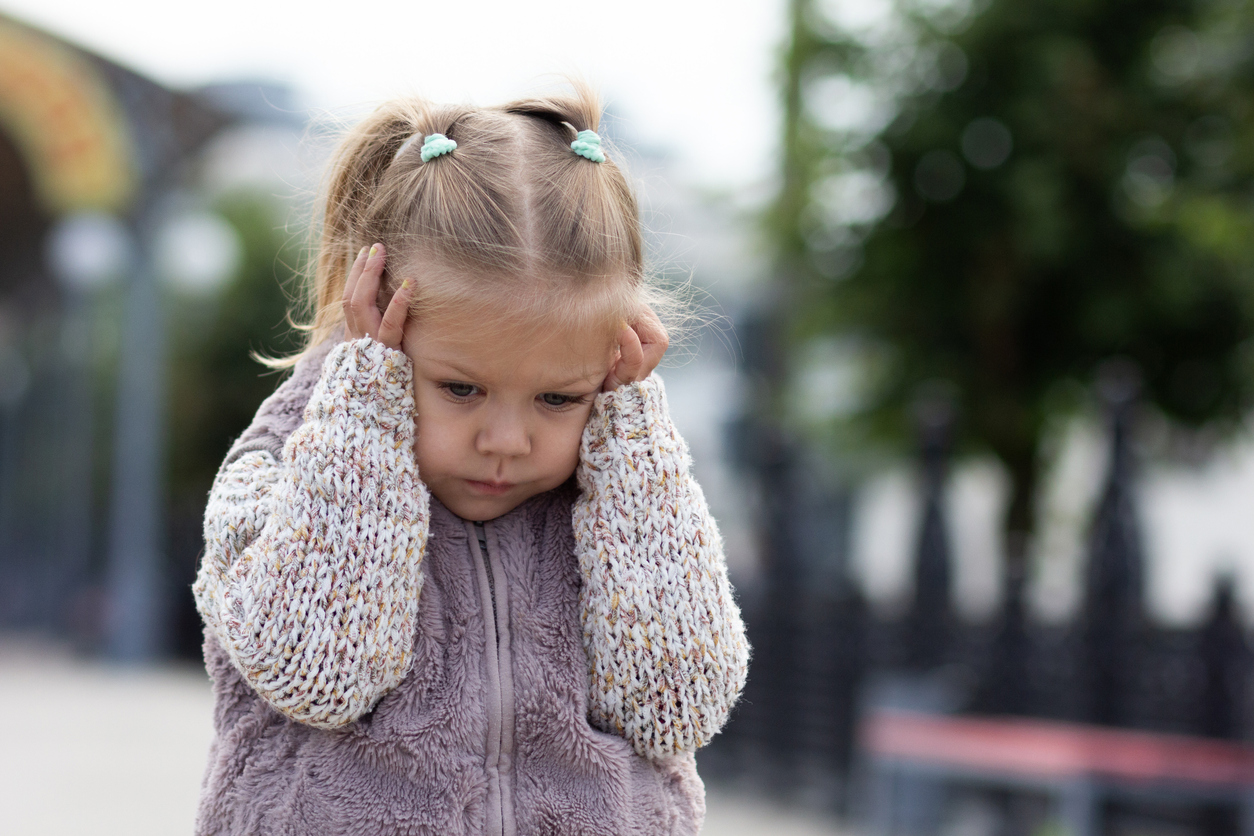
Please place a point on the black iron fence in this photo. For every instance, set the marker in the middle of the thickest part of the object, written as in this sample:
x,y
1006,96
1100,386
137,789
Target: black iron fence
x,y
823,657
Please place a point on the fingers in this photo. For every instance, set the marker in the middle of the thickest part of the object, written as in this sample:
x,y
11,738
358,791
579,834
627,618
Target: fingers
x,y
631,356
641,346
361,311
365,295
629,363
350,285
653,340
392,328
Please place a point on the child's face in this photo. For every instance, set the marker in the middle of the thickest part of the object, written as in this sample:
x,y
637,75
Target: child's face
x,y
500,413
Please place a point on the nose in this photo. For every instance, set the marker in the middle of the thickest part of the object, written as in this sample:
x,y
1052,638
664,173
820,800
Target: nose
x,y
503,433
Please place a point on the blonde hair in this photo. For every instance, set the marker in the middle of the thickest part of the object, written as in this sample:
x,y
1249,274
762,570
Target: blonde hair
x,y
513,215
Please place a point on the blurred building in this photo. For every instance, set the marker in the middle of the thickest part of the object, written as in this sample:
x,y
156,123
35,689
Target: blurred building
x,y
88,152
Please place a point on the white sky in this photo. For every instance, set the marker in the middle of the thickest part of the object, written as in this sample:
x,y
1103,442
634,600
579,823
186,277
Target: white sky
x,y
692,76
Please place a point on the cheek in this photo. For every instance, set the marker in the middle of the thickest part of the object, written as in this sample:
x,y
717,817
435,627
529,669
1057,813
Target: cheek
x,y
563,443
436,435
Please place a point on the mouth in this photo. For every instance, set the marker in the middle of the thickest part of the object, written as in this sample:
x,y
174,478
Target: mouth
x,y
489,488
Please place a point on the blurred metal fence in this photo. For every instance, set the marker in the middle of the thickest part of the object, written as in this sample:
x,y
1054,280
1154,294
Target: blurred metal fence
x,y
823,658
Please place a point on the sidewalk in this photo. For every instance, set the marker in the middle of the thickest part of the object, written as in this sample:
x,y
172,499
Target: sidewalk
x,y
96,749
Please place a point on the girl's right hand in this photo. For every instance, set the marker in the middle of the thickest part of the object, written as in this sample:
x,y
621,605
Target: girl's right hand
x,y
361,307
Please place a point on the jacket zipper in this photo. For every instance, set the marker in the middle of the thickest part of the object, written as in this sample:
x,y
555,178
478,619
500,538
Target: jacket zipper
x,y
482,535
503,820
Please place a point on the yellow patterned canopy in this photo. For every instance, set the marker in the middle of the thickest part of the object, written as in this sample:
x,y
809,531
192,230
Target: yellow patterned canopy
x,y
66,122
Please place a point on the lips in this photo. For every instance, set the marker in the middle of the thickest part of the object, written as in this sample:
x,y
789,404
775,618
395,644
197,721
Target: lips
x,y
489,488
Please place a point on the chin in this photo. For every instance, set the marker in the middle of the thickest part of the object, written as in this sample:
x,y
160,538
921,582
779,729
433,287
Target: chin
x,y
480,509
465,503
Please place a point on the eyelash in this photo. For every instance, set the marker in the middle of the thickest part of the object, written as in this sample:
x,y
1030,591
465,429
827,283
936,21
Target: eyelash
x,y
568,400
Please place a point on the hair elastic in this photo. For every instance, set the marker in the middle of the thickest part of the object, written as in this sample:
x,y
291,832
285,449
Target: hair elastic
x,y
436,145
432,147
588,145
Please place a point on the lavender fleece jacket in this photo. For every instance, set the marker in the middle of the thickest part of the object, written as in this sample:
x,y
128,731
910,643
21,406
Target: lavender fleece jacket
x,y
408,672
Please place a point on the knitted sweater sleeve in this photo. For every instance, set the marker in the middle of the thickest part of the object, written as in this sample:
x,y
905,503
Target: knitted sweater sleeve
x,y
665,642
311,572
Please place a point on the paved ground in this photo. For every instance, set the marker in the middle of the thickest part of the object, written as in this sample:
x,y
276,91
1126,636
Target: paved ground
x,y
89,748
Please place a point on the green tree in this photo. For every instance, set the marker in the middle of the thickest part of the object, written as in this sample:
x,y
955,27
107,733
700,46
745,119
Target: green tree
x,y
1001,197
214,383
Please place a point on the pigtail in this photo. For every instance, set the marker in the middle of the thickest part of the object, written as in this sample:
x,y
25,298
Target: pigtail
x,y
461,207
356,171
378,189
577,195
580,112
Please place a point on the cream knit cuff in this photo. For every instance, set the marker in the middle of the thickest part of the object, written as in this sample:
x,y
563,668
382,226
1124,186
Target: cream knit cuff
x,y
665,642
312,567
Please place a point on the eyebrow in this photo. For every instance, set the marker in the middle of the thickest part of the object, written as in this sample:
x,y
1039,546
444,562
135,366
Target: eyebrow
x,y
572,382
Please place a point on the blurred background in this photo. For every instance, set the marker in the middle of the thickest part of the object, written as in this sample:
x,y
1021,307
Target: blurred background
x,y
971,401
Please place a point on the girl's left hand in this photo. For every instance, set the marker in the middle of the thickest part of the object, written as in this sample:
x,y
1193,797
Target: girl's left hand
x,y
640,348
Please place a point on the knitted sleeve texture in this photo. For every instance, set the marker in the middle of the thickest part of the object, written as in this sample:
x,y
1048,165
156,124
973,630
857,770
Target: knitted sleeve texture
x,y
311,573
665,641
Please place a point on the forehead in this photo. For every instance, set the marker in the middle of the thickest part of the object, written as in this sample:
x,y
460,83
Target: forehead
x,y
490,345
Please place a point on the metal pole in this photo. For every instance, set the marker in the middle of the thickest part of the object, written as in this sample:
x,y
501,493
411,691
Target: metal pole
x,y
929,623
134,580
78,393
1112,616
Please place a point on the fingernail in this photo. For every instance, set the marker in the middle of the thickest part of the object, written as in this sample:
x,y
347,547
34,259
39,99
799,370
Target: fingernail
x,y
404,284
373,250
361,252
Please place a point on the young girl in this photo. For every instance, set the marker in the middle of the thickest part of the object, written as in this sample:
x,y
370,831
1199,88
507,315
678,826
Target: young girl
x,y
458,578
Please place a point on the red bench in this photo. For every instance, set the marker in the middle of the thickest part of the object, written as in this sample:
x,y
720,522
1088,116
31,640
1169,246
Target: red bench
x,y
1078,765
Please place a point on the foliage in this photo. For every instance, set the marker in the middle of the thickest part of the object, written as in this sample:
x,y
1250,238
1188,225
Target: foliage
x,y
1003,197
215,385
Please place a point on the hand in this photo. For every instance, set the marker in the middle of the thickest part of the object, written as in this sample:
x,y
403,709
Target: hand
x,y
640,348
361,305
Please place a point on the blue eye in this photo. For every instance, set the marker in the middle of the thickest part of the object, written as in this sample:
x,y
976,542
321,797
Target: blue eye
x,y
553,399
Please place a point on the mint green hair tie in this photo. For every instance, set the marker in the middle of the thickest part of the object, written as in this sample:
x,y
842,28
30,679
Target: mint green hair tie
x,y
436,145
588,145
